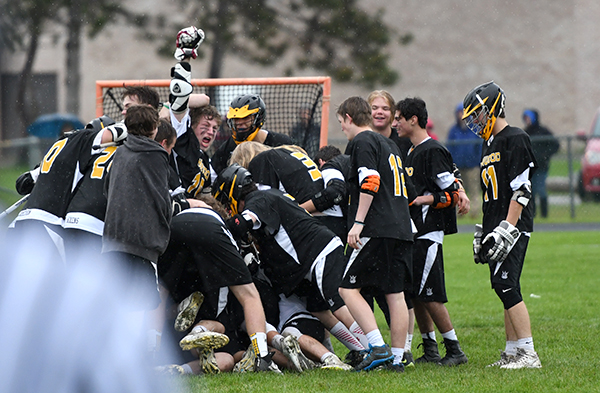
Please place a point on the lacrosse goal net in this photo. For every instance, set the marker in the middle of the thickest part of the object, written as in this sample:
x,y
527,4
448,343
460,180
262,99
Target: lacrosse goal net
x,y
298,107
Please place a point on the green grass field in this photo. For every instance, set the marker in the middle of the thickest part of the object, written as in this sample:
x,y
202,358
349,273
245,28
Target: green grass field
x,y
561,269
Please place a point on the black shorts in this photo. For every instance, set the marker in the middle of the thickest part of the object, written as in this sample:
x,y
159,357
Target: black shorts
x,y
383,265
429,284
306,324
508,273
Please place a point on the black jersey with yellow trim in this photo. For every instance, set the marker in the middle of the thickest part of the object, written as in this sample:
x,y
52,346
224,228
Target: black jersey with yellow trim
x,y
289,238
61,170
388,215
424,164
191,164
505,156
222,155
87,208
290,171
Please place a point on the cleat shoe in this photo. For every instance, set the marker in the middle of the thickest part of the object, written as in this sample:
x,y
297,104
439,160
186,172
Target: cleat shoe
x,y
376,356
397,368
169,370
505,358
266,363
407,359
208,362
247,363
354,358
187,311
332,362
524,359
291,350
203,340
430,352
454,354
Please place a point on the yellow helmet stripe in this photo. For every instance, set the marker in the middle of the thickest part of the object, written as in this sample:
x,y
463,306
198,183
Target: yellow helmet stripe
x,y
232,201
468,111
240,113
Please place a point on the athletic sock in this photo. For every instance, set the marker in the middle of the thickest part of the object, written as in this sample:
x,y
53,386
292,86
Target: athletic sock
x,y
359,334
526,343
341,332
408,344
398,354
277,342
187,369
199,329
259,344
429,335
511,348
328,354
450,335
375,338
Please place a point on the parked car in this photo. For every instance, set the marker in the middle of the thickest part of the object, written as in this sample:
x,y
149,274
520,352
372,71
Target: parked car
x,y
589,176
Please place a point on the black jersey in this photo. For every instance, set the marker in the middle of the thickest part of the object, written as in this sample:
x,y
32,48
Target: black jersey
x,y
388,216
191,164
338,168
201,256
289,238
61,170
87,208
427,163
223,153
504,158
340,163
290,171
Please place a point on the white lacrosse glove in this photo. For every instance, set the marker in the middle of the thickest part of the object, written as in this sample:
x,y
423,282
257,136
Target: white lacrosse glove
x,y
477,244
188,41
504,237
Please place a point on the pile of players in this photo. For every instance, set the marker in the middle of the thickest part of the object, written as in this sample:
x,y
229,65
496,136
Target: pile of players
x,y
249,246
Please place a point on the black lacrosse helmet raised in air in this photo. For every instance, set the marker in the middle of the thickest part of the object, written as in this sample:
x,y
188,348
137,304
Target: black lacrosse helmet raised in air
x,y
229,184
244,106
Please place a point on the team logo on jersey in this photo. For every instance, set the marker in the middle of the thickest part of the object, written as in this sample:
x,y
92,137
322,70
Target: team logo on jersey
x,y
491,158
504,275
352,279
429,291
409,170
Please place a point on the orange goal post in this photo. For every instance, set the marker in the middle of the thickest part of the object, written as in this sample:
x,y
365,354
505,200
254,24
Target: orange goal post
x,y
297,106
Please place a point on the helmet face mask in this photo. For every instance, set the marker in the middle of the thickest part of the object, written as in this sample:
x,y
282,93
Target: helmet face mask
x,y
482,106
241,108
229,184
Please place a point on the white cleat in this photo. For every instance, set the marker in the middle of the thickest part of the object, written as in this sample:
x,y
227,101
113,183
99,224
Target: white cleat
x,y
292,351
505,358
187,311
332,362
203,340
524,359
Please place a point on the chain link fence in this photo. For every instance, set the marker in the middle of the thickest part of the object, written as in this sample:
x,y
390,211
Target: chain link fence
x,y
565,197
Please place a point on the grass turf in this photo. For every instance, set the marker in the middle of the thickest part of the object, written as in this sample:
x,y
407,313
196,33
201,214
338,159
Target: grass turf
x,y
561,270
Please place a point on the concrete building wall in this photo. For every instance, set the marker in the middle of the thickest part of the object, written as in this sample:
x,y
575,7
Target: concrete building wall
x,y
544,54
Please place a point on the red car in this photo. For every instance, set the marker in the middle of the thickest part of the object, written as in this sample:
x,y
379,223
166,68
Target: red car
x,y
589,177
